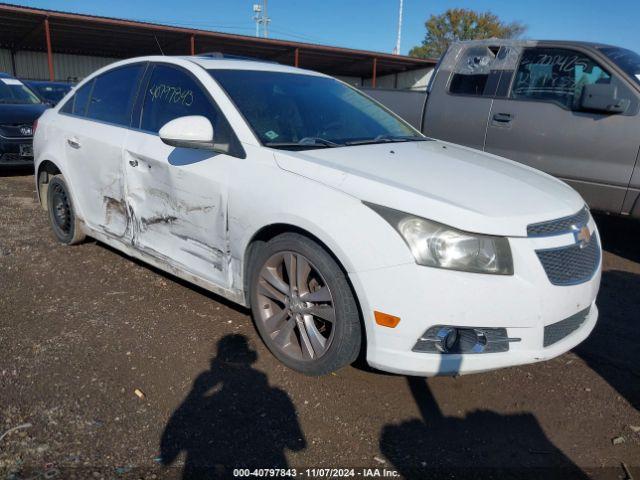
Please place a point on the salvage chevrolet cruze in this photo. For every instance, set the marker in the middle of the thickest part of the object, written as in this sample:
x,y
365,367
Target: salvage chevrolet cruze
x,y
339,225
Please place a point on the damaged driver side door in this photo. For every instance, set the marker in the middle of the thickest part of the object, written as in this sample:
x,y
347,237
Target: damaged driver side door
x,y
177,197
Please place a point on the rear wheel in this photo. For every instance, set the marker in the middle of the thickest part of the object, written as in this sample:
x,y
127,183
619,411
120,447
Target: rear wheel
x,y
303,305
64,222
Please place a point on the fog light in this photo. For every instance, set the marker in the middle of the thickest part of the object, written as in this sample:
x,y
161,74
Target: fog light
x,y
447,339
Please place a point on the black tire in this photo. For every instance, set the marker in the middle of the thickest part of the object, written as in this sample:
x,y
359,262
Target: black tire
x,y
64,223
346,333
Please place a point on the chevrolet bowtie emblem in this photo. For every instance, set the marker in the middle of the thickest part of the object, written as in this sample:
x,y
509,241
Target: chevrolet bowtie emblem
x,y
582,235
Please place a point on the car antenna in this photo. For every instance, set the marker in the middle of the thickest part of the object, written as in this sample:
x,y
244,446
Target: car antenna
x,y
158,43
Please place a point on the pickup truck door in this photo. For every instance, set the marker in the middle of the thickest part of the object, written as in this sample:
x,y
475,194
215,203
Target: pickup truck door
x,y
539,122
460,96
177,197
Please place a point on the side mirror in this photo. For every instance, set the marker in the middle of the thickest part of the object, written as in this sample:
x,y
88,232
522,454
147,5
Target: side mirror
x,y
193,131
603,97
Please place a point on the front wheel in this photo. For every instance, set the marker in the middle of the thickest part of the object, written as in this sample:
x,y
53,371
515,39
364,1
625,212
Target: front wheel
x,y
303,305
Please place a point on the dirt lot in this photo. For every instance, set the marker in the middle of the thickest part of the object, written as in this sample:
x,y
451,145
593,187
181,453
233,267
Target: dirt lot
x,y
81,328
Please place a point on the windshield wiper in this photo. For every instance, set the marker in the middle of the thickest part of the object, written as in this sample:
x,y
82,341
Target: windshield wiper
x,y
387,139
312,142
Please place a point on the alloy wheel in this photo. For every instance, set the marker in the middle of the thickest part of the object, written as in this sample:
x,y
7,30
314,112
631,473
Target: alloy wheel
x,y
295,306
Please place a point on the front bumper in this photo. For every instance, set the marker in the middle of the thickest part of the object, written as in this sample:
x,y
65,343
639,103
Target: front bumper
x,y
523,303
11,151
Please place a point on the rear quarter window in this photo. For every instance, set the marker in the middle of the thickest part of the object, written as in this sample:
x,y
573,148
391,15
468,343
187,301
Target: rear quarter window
x,y
77,104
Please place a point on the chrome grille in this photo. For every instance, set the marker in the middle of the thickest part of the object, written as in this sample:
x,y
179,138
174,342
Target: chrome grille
x,y
572,264
558,226
557,331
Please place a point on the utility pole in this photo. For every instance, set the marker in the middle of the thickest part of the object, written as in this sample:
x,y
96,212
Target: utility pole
x,y
257,17
396,51
261,18
266,20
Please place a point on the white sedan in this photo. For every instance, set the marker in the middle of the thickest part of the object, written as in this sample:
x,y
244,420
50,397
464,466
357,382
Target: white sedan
x,y
339,225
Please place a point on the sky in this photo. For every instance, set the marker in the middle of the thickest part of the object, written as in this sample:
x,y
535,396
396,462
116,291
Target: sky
x,y
372,25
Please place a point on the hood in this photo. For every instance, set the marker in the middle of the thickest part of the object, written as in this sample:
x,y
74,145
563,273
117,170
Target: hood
x,y
26,114
457,186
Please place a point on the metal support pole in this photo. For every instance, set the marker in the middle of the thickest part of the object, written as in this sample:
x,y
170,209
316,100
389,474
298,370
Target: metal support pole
x,y
296,57
193,44
47,34
265,17
375,68
13,63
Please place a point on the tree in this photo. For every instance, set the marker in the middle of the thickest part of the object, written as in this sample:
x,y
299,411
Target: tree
x,y
462,24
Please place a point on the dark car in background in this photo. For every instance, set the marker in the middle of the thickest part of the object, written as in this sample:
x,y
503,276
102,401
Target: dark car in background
x,y
49,92
20,107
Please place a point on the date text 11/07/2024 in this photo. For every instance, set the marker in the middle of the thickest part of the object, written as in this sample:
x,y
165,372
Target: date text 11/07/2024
x,y
316,473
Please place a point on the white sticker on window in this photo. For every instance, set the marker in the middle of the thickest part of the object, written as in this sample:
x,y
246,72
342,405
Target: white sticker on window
x,y
271,135
11,81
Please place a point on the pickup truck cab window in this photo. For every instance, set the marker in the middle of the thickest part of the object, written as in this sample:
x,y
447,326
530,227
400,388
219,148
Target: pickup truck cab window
x,y
556,75
287,110
627,60
473,71
113,95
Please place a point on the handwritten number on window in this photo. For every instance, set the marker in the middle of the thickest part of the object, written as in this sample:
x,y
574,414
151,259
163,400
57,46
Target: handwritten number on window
x,y
171,94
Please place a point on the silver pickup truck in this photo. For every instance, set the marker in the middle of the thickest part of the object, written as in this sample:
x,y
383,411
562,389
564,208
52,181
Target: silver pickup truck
x,y
567,108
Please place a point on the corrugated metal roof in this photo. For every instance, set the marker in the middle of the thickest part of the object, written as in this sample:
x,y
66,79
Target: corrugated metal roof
x,y
21,28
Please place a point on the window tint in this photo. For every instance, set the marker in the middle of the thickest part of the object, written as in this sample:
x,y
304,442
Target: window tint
x,y
77,104
113,95
173,93
285,108
556,75
627,60
472,72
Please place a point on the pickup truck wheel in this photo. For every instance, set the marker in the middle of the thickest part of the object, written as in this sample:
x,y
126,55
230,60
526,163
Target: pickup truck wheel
x,y
303,306
64,222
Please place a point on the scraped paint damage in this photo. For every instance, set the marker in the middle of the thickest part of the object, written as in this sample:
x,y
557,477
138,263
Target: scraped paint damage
x,y
191,236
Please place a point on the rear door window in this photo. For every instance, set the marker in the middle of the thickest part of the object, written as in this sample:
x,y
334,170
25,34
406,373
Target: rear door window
x,y
113,95
556,75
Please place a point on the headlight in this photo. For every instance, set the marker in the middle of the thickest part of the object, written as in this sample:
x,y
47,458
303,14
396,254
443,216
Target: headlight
x,y
436,245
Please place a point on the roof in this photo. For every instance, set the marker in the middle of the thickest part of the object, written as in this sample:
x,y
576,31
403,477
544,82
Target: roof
x,y
242,64
532,43
22,28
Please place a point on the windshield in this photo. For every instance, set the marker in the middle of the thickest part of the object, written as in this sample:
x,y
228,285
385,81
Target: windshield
x,y
15,92
294,111
627,60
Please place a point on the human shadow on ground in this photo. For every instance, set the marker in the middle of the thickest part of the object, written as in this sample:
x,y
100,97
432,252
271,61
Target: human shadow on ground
x,y
232,418
612,350
482,444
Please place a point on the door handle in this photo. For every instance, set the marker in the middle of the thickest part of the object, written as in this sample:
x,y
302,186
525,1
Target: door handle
x,y
133,163
503,117
73,143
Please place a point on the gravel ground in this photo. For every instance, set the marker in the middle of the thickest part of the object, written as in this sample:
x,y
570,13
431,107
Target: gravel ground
x,y
81,328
